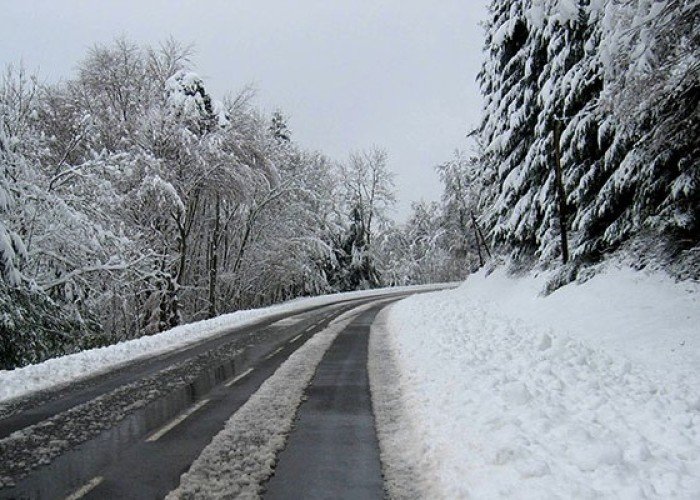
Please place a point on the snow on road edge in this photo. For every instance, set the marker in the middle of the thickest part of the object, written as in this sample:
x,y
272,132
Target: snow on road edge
x,y
405,472
242,456
58,372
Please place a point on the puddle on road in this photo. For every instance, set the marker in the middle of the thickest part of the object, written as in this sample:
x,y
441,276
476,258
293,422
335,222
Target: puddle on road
x,y
75,467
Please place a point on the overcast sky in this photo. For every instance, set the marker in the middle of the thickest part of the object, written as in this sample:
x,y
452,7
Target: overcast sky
x,y
349,74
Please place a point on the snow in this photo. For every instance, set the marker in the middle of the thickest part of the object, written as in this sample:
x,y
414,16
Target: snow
x,y
503,32
406,473
242,456
589,392
536,15
58,372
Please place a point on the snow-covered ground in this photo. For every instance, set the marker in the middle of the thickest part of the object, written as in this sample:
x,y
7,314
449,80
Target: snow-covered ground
x,y
60,371
590,392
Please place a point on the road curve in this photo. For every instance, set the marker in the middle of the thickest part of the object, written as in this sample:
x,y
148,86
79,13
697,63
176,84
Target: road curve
x,y
132,432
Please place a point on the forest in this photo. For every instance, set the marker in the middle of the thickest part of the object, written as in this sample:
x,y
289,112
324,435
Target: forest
x,y
590,129
132,200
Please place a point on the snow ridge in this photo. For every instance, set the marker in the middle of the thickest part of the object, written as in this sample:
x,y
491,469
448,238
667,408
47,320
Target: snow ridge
x,y
403,467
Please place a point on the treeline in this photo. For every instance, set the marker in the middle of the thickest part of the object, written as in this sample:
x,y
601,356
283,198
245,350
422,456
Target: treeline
x,y
608,90
132,201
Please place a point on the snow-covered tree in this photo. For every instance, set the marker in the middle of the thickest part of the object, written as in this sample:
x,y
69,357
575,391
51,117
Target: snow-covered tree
x,y
368,195
131,196
650,56
619,80
513,80
464,191
17,107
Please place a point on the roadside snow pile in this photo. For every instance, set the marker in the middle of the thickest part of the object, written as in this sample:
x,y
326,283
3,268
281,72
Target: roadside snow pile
x,y
406,473
57,372
590,392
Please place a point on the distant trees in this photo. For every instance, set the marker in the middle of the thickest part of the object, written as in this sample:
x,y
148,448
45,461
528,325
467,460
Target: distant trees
x,y
131,201
464,187
421,251
368,192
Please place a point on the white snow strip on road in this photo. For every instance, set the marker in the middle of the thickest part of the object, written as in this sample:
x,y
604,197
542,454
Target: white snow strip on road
x,y
288,321
404,467
242,456
590,392
273,353
58,372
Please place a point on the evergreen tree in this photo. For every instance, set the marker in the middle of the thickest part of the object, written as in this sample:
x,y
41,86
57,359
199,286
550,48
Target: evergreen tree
x,y
651,96
620,78
278,128
516,55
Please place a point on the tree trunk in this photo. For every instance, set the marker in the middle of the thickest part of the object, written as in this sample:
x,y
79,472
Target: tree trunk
x,y
561,195
481,235
478,242
213,259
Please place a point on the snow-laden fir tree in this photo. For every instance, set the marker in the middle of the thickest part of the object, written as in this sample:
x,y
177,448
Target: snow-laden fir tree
x,y
621,77
516,55
651,57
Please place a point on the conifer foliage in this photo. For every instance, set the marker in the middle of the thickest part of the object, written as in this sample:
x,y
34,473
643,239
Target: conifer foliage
x,y
620,79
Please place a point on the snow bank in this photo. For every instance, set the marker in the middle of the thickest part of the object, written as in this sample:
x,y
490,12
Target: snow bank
x,y
60,371
590,392
242,456
406,473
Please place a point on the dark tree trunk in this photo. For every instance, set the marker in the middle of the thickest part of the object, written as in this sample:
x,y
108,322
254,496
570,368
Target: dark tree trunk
x,y
213,259
561,195
478,241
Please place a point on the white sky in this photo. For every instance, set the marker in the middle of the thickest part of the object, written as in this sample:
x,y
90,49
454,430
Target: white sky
x,y
397,74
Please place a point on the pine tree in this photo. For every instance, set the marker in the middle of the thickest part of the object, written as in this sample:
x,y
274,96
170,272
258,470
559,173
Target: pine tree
x,y
652,84
278,128
516,55
570,84
621,79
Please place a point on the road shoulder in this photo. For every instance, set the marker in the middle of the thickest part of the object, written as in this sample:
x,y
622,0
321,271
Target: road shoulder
x,y
400,454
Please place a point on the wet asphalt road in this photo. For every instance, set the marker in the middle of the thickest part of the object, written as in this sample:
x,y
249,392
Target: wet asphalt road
x,y
333,451
98,428
109,436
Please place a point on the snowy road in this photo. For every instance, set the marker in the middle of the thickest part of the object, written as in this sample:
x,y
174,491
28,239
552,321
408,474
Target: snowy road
x,y
131,433
333,450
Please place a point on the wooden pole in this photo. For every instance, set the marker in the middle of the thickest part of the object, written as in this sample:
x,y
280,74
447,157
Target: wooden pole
x,y
561,195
